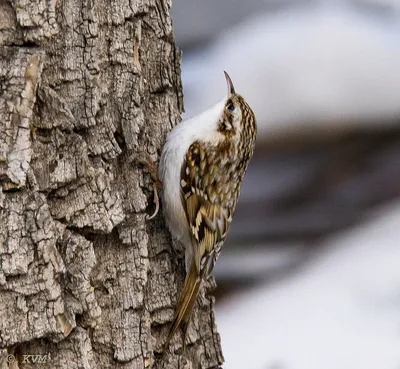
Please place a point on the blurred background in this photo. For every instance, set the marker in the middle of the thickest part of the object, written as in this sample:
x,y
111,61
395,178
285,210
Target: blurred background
x,y
310,275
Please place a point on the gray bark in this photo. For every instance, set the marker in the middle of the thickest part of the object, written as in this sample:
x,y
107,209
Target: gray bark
x,y
84,279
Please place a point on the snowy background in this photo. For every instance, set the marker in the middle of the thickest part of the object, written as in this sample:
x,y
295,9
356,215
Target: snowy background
x,y
310,275
340,310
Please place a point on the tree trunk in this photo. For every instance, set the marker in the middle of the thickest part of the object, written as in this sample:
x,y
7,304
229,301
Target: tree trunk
x,y
85,280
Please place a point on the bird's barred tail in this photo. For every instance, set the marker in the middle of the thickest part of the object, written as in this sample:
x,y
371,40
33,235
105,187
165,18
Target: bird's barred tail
x,y
185,305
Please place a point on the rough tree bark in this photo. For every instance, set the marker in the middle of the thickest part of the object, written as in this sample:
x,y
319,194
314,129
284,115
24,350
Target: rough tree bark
x,y
84,279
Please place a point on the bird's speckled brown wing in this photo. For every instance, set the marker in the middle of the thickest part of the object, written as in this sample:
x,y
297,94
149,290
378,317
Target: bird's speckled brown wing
x,y
207,189
205,194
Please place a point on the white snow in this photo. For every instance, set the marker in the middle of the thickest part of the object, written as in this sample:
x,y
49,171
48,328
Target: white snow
x,y
325,64
341,311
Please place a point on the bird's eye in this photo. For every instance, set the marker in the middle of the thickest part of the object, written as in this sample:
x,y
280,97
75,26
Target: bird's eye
x,y
231,107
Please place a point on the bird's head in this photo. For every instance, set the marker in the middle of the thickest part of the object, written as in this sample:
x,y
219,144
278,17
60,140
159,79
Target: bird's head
x,y
237,117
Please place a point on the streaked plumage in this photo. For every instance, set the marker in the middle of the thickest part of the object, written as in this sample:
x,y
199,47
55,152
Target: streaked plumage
x,y
202,167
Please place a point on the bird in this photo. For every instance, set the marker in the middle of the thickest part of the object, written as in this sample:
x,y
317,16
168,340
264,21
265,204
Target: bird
x,y
202,166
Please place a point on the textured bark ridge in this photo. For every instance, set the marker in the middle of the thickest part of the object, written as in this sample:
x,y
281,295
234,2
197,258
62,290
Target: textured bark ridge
x,y
84,279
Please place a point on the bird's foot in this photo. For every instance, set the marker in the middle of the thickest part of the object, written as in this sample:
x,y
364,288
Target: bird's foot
x,y
156,186
145,159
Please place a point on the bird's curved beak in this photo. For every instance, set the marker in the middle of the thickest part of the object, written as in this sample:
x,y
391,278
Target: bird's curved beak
x,y
231,88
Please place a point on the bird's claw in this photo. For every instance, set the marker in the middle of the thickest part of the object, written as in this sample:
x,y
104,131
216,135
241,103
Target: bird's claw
x,y
156,200
145,159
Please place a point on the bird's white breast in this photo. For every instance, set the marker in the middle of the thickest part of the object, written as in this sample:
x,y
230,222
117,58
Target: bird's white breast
x,y
202,127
